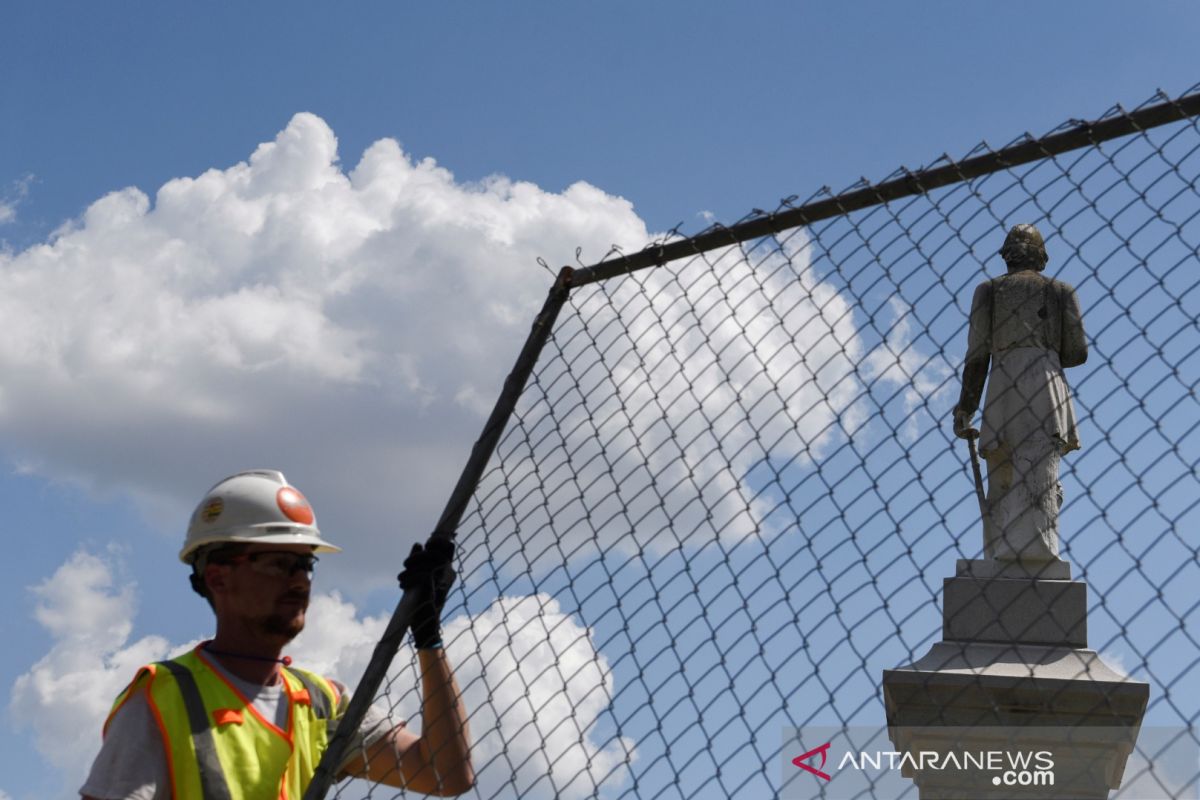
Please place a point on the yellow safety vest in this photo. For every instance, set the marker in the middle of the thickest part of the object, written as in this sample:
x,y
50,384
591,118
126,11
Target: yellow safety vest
x,y
218,746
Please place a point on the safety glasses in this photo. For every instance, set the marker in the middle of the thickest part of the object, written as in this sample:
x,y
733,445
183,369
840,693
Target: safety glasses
x,y
276,563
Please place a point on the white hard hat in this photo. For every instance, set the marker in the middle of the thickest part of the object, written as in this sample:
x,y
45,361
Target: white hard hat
x,y
257,506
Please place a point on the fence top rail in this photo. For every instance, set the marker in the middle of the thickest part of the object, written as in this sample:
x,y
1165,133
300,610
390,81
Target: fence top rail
x,y
1115,124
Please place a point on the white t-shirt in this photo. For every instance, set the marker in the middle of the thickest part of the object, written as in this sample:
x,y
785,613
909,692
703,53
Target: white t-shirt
x,y
132,764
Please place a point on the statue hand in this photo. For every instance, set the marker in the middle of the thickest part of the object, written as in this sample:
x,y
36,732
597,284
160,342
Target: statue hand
x,y
962,424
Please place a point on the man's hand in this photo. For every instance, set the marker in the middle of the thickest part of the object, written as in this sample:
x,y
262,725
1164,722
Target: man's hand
x,y
962,424
428,570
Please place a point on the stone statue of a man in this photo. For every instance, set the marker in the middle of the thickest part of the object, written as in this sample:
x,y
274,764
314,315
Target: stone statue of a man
x,y
1028,326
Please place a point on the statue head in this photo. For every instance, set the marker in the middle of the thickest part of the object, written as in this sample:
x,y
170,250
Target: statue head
x,y
1024,248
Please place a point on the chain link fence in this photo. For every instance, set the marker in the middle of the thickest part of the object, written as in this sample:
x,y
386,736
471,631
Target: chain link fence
x,y
728,494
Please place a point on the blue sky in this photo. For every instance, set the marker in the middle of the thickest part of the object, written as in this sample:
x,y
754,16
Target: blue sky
x,y
668,112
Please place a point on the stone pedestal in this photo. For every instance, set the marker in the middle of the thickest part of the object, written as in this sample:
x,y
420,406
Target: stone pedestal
x,y
1013,675
1017,608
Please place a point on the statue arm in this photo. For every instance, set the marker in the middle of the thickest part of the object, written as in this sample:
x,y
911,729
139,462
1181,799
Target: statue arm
x,y
979,350
974,376
1074,343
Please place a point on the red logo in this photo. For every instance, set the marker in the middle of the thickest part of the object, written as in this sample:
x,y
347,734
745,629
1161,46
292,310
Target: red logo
x,y
800,759
294,506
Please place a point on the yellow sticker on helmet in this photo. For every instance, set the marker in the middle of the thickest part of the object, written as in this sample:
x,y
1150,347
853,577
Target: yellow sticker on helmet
x,y
212,509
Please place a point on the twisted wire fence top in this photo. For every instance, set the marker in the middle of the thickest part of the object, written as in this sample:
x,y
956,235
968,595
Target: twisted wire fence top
x,y
730,492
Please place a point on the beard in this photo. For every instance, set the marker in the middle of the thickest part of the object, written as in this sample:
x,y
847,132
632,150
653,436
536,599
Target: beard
x,y
285,627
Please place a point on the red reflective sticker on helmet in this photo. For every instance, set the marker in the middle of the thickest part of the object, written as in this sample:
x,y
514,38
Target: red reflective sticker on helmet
x,y
294,506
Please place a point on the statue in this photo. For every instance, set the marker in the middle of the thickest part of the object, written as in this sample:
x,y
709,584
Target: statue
x,y
1013,665
1029,328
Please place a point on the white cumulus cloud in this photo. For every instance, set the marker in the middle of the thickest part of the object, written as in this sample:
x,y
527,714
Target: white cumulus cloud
x,y
685,380
533,681
65,696
348,326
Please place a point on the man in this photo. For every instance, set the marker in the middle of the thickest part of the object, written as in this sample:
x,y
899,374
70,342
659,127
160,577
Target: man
x,y
232,720
1029,327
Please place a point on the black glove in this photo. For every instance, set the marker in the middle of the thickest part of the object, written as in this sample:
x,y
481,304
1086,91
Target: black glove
x,y
428,570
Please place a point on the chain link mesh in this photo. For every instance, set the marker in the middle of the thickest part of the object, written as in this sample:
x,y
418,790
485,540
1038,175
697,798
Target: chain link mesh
x,y
729,495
